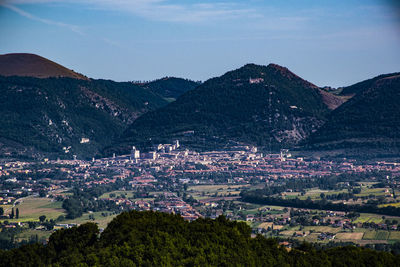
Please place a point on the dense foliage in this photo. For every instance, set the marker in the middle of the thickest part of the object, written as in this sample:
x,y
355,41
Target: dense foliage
x,y
85,200
158,239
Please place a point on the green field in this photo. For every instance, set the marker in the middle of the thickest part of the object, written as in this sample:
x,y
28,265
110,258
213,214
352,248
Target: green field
x,y
315,194
390,204
26,234
378,235
349,236
212,189
127,194
367,217
323,229
32,207
371,191
201,191
382,235
394,235
99,219
369,235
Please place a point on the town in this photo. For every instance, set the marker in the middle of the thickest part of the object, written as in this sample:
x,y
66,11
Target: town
x,y
40,197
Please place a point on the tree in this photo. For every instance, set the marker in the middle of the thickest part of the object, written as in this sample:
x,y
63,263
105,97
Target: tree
x,y
1,211
42,218
12,214
42,193
17,213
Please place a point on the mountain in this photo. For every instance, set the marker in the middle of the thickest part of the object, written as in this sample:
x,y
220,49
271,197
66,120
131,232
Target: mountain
x,y
65,116
170,87
267,106
21,64
369,123
359,87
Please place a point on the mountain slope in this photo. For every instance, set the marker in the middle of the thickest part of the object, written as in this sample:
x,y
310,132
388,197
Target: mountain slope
x,y
21,64
170,87
359,87
370,121
64,116
263,105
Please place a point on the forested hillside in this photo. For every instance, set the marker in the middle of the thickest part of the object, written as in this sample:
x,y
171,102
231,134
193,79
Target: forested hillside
x,y
65,116
369,123
364,85
159,239
170,87
268,106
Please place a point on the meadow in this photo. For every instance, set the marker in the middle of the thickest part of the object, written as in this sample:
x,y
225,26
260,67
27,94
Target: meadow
x,y
31,208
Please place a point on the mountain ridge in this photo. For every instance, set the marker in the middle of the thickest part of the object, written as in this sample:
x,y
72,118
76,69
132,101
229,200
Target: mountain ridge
x,y
169,87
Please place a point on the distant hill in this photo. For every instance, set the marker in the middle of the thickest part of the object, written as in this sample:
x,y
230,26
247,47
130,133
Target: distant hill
x,y
64,116
22,64
368,123
267,106
170,87
364,85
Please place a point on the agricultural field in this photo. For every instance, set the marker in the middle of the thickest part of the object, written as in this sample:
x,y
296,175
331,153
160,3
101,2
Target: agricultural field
x,y
206,191
100,220
379,235
6,207
30,208
349,236
26,235
394,235
250,208
323,229
127,194
271,210
315,194
397,205
382,235
309,237
371,191
359,235
369,235
366,217
265,225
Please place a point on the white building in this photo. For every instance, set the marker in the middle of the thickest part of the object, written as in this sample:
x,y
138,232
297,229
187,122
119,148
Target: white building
x,y
135,154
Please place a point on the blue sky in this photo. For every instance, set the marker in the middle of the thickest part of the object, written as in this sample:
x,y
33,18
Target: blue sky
x,y
334,43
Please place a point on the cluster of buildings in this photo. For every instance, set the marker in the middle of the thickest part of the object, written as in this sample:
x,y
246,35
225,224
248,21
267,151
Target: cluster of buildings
x,y
169,166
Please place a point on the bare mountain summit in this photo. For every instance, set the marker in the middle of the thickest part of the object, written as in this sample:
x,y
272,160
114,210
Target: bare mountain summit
x,y
31,65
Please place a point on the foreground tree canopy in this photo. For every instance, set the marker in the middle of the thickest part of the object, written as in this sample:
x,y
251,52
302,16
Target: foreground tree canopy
x,y
158,239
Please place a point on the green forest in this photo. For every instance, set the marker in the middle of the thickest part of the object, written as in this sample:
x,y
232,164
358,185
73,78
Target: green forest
x,y
158,239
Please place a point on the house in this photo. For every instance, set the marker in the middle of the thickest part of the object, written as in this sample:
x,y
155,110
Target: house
x,y
250,218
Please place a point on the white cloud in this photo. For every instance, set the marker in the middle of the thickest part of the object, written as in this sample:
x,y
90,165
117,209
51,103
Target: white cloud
x,y
23,13
161,10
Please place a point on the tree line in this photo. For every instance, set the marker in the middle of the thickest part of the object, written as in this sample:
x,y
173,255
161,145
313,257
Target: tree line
x,y
158,239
